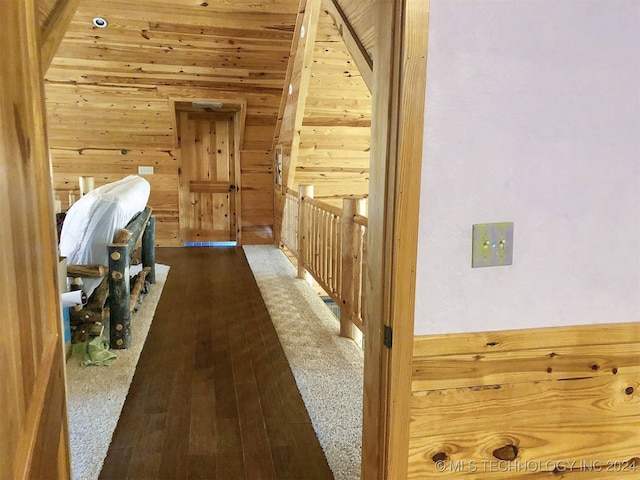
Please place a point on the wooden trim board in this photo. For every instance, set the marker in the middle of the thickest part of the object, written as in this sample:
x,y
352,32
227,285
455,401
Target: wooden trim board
x,y
33,428
351,41
396,155
54,30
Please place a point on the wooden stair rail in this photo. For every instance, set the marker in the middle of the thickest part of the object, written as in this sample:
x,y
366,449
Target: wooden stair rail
x,y
330,246
305,192
289,230
351,267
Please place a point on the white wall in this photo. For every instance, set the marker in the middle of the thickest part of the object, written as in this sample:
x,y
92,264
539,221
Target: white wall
x,y
532,116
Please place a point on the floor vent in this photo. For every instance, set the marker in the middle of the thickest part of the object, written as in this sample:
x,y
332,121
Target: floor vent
x,y
209,244
333,306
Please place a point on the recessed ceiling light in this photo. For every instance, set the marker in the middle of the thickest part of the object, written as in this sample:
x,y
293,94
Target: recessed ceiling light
x,y
99,22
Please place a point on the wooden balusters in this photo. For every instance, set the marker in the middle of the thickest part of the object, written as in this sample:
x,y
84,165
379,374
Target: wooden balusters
x,y
289,234
351,266
304,192
330,245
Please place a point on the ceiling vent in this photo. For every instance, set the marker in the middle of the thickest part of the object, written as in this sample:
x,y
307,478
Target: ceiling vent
x,y
207,104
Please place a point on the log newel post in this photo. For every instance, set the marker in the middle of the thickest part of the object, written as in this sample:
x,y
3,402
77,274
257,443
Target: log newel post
x,y
119,297
279,202
349,248
148,249
304,191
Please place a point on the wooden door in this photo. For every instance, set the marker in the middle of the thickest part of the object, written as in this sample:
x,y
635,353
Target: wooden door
x,y
207,177
33,421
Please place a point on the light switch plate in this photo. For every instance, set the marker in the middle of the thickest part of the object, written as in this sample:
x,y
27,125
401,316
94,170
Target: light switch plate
x,y
145,170
492,244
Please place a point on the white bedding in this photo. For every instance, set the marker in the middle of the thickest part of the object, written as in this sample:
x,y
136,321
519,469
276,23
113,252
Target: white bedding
x,y
92,221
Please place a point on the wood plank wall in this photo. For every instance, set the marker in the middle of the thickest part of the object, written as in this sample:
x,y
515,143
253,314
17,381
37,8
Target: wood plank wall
x,y
108,95
542,398
336,128
362,19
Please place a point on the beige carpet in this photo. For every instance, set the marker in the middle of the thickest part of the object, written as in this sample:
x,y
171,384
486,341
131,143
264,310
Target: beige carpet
x,y
95,395
328,369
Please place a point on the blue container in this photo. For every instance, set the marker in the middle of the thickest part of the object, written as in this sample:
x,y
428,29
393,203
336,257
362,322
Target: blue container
x,y
66,324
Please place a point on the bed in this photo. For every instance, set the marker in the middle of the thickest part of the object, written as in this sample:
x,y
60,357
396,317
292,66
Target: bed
x,y
100,233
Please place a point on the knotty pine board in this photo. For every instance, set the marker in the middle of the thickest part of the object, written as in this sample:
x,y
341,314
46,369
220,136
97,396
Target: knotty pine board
x,y
334,144
557,394
109,89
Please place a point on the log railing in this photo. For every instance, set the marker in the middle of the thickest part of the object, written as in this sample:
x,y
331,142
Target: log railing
x,y
330,246
289,236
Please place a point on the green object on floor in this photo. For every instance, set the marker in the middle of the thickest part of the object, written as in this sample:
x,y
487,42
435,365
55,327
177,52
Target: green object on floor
x,y
94,352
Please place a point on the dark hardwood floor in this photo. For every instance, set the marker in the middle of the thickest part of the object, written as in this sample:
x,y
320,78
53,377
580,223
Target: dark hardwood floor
x,y
213,395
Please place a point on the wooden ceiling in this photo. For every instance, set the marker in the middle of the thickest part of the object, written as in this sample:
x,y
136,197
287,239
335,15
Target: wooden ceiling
x,y
156,50
360,16
335,135
111,89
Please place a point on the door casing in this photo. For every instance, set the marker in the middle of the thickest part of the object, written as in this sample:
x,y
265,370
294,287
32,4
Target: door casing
x,y
34,441
399,86
235,106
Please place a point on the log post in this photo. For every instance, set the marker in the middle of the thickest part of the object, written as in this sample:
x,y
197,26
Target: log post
x,y
86,185
87,271
119,296
149,249
119,293
350,208
304,191
279,202
138,287
137,225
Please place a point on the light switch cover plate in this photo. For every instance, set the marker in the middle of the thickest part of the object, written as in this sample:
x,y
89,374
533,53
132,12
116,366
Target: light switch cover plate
x,y
492,244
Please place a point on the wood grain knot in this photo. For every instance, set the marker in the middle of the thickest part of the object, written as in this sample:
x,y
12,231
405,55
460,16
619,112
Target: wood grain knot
x,y
629,390
553,354
440,457
492,344
204,4
549,370
506,453
614,371
595,367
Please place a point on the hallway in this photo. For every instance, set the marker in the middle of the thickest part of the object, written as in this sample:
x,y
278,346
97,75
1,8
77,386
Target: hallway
x,y
213,395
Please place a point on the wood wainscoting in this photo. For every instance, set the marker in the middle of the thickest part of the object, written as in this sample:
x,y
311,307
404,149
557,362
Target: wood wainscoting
x,y
561,402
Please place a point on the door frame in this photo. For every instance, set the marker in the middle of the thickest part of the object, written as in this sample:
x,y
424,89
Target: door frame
x,y
399,87
34,438
239,120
